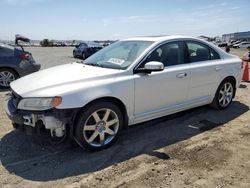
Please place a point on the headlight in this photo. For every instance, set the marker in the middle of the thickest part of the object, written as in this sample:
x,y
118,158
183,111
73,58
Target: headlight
x,y
39,104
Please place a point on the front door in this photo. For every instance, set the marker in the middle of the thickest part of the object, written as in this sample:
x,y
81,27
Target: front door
x,y
160,93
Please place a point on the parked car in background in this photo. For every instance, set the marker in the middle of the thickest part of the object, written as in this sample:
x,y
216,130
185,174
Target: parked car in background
x,y
15,62
222,44
86,49
246,56
128,82
234,43
241,45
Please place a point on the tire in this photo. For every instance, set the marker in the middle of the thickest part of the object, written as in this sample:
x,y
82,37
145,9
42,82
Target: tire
x,y
224,95
6,77
83,56
74,54
98,126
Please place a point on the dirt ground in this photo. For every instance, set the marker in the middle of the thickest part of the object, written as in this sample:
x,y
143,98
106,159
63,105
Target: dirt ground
x,y
196,148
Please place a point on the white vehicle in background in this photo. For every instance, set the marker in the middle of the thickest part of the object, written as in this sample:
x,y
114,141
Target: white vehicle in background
x,y
128,82
242,45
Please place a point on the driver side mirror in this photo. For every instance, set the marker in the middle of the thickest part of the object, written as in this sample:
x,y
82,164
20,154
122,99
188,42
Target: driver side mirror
x,y
151,66
154,66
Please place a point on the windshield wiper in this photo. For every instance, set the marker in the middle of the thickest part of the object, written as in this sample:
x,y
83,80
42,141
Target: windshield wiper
x,y
94,64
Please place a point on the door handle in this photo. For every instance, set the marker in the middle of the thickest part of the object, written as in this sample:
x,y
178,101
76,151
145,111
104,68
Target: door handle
x,y
181,75
217,68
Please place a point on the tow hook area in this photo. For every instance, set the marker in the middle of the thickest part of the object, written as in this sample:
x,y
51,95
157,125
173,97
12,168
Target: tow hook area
x,y
56,127
29,120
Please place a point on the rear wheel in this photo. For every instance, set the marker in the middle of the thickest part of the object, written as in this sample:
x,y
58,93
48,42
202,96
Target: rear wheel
x,y
83,56
98,126
224,95
74,54
6,77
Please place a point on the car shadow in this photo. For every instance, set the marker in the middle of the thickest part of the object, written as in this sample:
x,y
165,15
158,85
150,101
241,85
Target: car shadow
x,y
31,159
242,86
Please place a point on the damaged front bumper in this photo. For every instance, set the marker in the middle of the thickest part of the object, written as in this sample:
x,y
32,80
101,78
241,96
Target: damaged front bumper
x,y
54,120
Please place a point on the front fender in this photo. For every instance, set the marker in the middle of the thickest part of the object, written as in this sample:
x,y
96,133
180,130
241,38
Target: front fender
x,y
121,88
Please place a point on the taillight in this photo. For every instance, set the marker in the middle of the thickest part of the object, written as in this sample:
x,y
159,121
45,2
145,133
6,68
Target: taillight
x,y
24,56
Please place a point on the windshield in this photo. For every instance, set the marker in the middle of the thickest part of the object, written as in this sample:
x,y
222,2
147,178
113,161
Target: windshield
x,y
118,55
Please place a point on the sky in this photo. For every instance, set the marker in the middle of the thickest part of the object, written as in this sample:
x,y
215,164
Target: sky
x,y
116,19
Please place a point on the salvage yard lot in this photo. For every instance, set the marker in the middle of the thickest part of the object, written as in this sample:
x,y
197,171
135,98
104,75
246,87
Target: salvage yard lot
x,y
196,148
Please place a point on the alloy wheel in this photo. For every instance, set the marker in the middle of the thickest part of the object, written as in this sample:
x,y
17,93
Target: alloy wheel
x,y
6,78
101,127
226,94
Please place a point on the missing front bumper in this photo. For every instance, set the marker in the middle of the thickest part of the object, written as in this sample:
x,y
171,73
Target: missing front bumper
x,y
56,126
53,120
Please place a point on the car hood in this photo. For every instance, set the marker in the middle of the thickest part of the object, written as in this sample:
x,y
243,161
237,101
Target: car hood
x,y
60,79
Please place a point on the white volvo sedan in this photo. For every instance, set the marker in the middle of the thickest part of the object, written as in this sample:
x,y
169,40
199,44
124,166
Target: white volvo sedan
x,y
131,81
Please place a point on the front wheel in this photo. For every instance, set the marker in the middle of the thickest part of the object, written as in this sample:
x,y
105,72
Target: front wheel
x,y
224,95
74,54
98,126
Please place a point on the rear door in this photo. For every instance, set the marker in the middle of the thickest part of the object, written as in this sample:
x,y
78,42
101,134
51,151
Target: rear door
x,y
205,72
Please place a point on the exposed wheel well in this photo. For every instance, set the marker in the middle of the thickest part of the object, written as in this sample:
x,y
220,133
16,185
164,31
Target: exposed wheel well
x,y
113,100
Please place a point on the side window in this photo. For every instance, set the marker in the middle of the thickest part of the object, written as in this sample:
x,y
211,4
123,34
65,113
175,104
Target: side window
x,y
197,52
213,54
169,54
200,52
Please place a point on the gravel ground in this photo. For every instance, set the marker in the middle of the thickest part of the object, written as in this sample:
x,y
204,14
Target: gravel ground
x,y
49,57
196,148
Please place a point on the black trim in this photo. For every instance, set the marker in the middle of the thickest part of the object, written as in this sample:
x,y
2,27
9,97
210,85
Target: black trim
x,y
146,71
142,70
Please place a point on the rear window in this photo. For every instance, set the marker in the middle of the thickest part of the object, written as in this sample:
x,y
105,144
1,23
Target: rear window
x,y
6,46
93,44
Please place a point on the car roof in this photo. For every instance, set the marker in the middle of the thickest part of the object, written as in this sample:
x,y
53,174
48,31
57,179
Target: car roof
x,y
3,45
160,38
90,43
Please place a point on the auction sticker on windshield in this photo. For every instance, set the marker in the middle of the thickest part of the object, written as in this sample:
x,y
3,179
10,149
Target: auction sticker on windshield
x,y
116,61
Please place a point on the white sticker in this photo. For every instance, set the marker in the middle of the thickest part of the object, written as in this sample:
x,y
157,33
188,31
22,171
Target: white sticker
x,y
116,61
